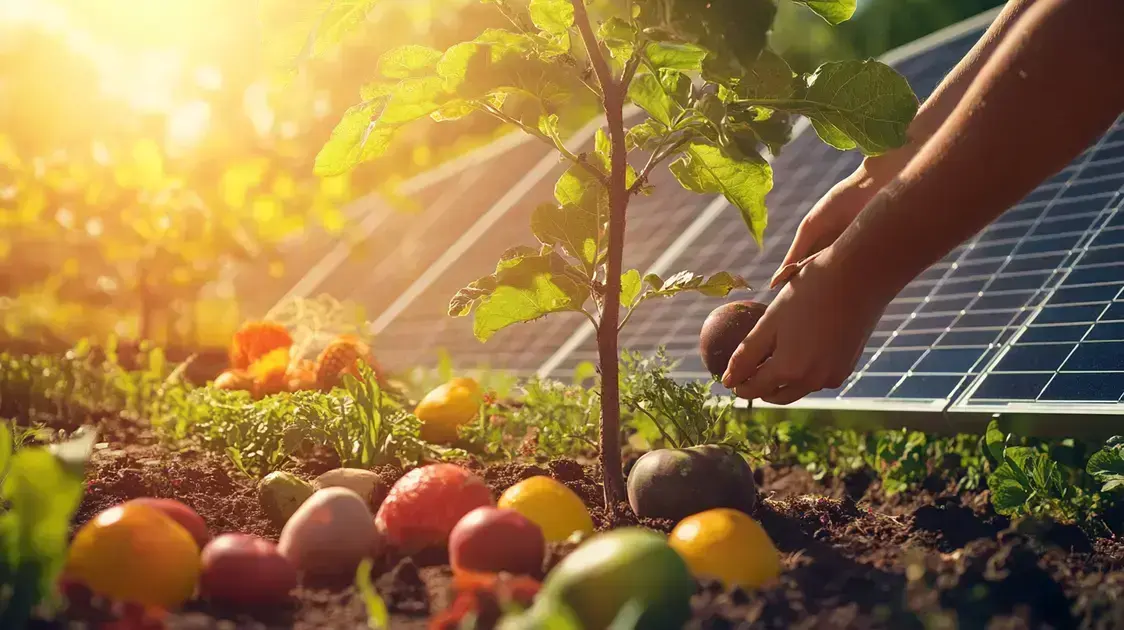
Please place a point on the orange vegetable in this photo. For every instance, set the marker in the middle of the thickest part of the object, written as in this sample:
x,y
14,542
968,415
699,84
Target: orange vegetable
x,y
256,339
135,553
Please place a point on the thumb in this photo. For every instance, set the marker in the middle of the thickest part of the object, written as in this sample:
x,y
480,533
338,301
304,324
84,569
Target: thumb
x,y
806,236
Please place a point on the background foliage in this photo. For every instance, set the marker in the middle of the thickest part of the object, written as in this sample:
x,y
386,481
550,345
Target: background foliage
x,y
144,152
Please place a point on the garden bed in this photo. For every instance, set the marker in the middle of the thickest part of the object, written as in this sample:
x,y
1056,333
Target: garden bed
x,y
929,557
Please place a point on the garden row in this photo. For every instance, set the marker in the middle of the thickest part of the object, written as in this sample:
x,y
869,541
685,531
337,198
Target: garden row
x,y
352,479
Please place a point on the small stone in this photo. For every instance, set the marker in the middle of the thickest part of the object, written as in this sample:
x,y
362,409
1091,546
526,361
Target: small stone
x,y
365,483
280,494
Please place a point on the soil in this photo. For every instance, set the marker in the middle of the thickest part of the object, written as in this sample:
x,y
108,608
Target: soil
x,y
854,557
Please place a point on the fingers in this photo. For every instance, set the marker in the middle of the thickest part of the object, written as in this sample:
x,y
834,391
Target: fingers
x,y
767,380
807,234
786,395
750,353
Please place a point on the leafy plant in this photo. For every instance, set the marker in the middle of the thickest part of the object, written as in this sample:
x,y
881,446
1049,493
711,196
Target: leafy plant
x,y
669,413
363,424
1107,465
41,490
715,98
548,418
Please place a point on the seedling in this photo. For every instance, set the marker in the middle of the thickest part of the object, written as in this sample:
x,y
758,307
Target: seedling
x,y
715,97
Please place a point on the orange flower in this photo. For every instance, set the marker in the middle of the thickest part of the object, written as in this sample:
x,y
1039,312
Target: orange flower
x,y
270,373
256,339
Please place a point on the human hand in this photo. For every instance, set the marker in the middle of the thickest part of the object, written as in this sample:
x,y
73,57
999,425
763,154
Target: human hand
x,y
809,338
831,215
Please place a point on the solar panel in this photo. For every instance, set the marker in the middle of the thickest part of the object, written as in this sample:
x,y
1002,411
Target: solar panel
x,y
1031,310
415,334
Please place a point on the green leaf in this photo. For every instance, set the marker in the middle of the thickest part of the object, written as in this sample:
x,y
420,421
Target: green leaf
x,y
630,287
718,285
645,136
733,31
1107,466
6,445
549,125
453,110
356,139
744,182
619,37
859,104
834,11
579,187
602,148
572,228
408,61
674,55
552,16
647,92
995,440
770,77
525,286
377,615
412,99
42,493
1007,494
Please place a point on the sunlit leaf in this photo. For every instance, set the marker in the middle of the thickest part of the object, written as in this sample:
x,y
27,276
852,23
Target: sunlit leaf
x,y
858,104
355,140
407,61
631,286
744,182
834,11
524,287
645,135
619,37
552,16
718,285
413,99
674,55
572,228
453,110
647,92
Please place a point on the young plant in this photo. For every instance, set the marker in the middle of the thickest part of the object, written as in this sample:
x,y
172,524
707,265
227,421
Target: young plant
x,y
715,98
40,489
675,415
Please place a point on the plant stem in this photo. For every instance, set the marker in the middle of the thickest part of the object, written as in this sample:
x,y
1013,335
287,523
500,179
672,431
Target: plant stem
x,y
566,153
610,313
659,155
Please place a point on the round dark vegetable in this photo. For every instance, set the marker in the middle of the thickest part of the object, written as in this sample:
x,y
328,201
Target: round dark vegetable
x,y
676,483
724,329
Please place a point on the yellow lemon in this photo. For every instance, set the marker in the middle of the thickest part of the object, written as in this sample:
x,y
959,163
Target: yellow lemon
x,y
447,407
134,553
550,505
726,545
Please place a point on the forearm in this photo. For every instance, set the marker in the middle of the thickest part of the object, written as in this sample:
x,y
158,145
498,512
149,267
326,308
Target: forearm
x,y
944,99
1050,88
